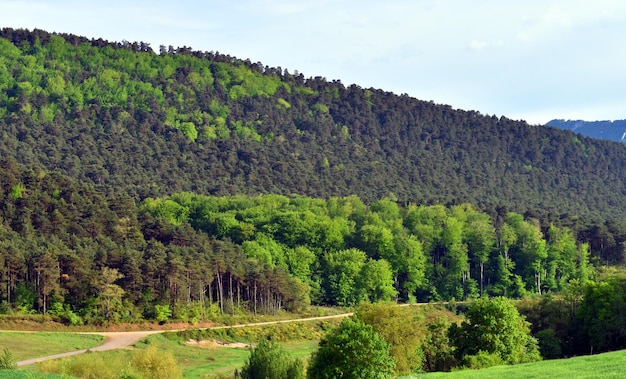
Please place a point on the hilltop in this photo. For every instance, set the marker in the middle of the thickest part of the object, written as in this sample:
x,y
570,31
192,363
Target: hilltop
x,y
127,119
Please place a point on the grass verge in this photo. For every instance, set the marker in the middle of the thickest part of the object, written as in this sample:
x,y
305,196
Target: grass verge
x,y
32,345
600,366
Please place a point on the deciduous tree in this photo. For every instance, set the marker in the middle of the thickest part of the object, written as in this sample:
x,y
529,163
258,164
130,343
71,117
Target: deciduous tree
x,y
494,326
352,351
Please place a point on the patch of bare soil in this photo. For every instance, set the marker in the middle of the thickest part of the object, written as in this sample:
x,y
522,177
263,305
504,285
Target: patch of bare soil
x,y
214,344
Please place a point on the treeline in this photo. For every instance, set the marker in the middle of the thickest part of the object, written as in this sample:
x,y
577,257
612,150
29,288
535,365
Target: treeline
x,y
147,123
68,251
348,252
65,249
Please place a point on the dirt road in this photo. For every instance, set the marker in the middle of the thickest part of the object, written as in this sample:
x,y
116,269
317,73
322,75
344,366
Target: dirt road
x,y
122,340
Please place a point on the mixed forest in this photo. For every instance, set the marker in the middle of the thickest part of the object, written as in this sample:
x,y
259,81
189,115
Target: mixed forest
x,y
176,184
128,119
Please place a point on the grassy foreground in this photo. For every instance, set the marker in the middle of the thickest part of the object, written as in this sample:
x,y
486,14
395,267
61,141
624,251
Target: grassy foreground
x,y
32,345
194,361
23,374
600,366
216,362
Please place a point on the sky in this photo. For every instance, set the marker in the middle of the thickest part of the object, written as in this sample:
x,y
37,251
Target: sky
x,y
533,60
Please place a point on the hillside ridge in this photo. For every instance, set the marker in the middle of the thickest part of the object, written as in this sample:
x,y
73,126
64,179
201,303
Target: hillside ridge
x,y
127,119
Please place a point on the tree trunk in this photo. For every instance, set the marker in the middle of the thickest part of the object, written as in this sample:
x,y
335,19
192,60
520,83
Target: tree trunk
x,y
220,292
255,299
482,277
230,292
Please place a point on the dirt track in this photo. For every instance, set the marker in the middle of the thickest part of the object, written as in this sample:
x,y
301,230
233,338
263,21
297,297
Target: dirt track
x,y
122,340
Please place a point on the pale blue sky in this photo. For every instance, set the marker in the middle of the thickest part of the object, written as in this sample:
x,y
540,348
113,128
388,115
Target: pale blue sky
x,y
534,59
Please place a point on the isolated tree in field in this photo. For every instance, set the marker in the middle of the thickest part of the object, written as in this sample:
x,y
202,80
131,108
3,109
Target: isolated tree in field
x,y
352,351
494,328
269,361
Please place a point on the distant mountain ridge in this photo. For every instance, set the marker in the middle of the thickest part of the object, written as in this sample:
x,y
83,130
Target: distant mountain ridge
x,y
608,130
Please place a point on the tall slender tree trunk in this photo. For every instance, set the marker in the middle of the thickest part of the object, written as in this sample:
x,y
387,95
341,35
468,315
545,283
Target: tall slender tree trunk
x,y
210,293
538,276
238,294
482,277
220,290
255,298
230,292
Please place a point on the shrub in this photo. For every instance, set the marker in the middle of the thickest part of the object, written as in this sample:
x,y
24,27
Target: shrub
x,y
352,351
482,360
6,360
495,326
86,366
549,344
155,364
269,361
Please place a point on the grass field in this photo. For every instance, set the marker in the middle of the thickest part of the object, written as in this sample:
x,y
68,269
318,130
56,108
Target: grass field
x,y
600,366
32,345
218,361
213,362
195,361
23,374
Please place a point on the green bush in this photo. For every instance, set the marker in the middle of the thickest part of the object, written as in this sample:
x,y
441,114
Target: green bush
x,y
482,360
549,344
6,360
269,361
162,313
495,326
352,351
86,366
155,364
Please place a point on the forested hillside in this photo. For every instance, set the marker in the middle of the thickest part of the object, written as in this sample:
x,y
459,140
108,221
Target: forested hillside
x,y
136,184
68,251
129,120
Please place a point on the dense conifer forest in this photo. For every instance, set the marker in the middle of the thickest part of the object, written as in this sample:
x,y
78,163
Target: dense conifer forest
x,y
140,184
128,119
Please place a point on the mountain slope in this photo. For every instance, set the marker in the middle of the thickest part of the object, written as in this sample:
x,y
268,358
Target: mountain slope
x,y
608,130
131,121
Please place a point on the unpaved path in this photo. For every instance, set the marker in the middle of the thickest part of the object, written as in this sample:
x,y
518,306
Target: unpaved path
x,y
122,340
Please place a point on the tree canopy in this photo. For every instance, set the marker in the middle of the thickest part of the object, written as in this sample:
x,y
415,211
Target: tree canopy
x,y
353,351
269,361
494,327
129,119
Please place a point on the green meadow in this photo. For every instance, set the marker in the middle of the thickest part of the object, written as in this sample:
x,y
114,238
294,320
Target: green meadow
x,y
32,345
210,360
195,361
601,366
